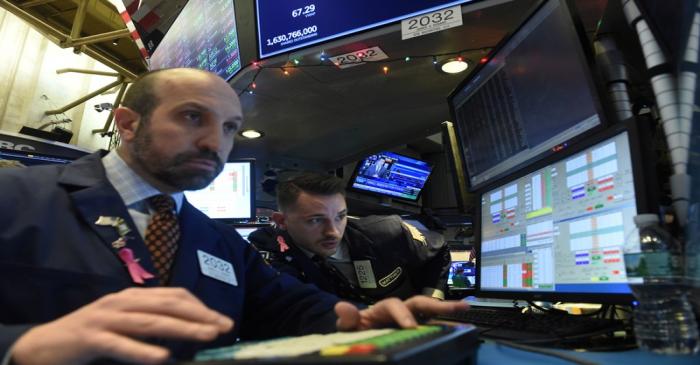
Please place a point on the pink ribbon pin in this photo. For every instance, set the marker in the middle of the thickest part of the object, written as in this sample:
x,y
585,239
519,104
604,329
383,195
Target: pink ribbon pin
x,y
137,272
282,244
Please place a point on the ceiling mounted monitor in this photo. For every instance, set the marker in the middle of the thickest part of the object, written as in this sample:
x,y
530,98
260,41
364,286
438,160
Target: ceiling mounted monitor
x,y
204,36
292,24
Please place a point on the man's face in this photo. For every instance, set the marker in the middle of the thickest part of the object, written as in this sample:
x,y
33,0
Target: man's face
x,y
189,135
317,222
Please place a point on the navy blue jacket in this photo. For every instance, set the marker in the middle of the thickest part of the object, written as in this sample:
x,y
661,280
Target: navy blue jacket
x,y
55,259
403,266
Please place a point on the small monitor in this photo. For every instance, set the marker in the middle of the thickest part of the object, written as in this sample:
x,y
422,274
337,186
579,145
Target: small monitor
x,y
231,196
28,158
462,274
392,175
535,93
557,231
246,231
203,36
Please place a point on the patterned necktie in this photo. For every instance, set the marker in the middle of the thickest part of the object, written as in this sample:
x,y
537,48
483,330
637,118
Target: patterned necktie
x,y
162,235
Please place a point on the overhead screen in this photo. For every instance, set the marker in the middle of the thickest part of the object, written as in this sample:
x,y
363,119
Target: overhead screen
x,y
391,175
558,232
231,196
287,25
204,36
535,93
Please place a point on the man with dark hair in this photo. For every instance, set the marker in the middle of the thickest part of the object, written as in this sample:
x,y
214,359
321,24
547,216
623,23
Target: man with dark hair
x,y
104,258
359,259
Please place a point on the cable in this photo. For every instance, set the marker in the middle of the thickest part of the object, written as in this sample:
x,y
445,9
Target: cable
x,y
547,352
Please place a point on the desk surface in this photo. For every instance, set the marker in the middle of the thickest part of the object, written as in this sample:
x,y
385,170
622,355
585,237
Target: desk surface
x,y
493,354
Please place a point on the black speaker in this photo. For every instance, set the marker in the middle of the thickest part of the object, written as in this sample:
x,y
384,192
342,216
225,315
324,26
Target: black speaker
x,y
57,134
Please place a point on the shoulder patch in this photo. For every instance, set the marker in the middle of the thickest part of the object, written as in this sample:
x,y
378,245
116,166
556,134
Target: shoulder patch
x,y
385,281
415,233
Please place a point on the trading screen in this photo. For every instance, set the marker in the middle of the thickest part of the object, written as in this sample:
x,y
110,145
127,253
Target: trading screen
x,y
562,228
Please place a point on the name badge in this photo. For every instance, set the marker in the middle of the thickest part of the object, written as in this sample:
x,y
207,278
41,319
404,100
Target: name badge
x,y
216,268
365,275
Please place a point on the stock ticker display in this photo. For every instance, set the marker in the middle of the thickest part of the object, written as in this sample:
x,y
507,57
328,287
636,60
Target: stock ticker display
x,y
204,36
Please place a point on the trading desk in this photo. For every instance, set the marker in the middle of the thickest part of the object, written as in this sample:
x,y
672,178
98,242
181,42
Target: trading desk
x,y
490,353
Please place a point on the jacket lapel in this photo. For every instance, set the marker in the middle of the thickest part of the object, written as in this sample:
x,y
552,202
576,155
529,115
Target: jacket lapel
x,y
94,197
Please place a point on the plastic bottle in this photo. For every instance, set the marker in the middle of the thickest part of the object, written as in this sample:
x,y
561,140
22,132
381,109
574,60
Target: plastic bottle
x,y
663,321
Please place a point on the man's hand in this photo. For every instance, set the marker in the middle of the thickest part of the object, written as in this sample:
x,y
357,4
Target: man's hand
x,y
110,328
393,311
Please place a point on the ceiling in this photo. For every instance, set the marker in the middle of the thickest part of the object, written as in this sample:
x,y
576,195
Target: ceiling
x,y
320,114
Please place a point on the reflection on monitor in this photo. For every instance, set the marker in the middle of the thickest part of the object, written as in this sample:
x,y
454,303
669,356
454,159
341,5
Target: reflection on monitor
x,y
391,174
204,36
534,94
462,274
230,196
31,158
559,231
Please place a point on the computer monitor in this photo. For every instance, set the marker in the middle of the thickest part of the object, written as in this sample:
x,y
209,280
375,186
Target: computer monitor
x,y
536,92
203,36
462,274
231,196
28,158
557,230
246,231
392,175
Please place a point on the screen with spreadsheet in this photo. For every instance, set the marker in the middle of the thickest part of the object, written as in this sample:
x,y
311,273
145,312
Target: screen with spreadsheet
x,y
561,228
231,196
535,92
203,36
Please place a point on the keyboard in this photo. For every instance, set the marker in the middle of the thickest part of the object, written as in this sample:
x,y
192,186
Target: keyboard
x,y
418,346
511,323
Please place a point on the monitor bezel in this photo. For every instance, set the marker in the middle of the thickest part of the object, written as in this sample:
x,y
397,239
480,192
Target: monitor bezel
x,y
234,221
593,78
359,164
640,173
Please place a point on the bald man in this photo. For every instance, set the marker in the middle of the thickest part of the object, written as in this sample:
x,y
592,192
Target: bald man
x,y
105,259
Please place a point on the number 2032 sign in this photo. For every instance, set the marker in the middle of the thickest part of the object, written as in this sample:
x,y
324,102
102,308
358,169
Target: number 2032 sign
x,y
431,22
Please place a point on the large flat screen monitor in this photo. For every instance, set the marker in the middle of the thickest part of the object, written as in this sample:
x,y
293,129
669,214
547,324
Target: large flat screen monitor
x,y
203,36
535,93
557,230
291,24
231,196
391,175
28,158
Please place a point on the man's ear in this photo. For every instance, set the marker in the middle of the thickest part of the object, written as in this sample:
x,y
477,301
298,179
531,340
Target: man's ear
x,y
127,121
280,220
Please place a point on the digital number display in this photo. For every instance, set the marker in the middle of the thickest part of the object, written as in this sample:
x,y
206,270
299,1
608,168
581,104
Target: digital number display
x,y
291,24
203,36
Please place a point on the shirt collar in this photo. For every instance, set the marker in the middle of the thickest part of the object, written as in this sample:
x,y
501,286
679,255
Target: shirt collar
x,y
132,188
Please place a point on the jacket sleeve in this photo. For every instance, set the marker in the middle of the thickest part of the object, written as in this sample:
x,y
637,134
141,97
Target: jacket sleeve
x,y
278,304
8,336
429,258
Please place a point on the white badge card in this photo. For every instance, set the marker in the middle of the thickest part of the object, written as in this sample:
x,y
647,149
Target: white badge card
x,y
365,275
431,22
216,268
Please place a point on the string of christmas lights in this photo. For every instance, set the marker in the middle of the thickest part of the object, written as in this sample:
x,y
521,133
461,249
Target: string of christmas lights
x,y
324,61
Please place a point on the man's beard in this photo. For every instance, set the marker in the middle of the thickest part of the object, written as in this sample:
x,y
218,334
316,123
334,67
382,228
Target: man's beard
x,y
169,170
